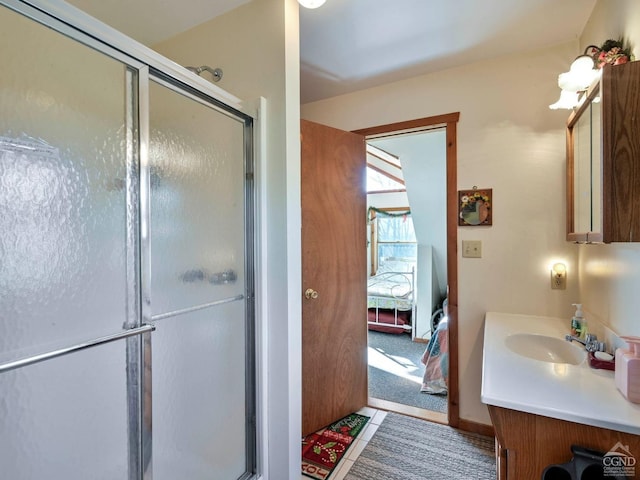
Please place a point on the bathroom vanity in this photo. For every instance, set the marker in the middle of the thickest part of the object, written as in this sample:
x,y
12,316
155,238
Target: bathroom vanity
x,y
543,397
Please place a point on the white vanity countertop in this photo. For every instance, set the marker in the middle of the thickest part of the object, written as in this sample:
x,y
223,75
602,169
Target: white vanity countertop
x,y
576,393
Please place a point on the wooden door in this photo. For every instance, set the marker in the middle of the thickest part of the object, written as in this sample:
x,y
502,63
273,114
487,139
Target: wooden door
x,y
334,325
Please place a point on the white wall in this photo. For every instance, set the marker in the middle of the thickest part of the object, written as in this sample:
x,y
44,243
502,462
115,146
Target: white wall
x,y
427,292
610,274
257,47
510,141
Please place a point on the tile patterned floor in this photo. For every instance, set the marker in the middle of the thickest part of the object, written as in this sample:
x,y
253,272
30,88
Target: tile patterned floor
x,y
375,419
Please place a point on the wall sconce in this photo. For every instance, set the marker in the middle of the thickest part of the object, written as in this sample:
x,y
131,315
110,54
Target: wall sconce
x,y
311,3
582,73
559,276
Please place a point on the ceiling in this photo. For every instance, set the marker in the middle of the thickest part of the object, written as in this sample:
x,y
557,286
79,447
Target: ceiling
x,y
152,21
348,45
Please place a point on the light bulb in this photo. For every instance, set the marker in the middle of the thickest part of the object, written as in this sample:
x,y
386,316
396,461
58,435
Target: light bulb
x,y
559,268
580,76
311,3
567,100
582,64
559,276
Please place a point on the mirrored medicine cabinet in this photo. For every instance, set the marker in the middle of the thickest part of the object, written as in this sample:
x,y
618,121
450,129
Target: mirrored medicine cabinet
x,y
603,160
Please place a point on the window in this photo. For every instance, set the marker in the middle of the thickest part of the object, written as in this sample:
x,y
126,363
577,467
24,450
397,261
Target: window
x,y
380,182
392,236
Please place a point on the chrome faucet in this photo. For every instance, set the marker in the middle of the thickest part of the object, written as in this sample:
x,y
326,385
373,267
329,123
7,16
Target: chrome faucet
x,y
590,342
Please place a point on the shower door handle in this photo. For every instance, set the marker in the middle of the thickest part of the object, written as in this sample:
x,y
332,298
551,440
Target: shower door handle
x,y
23,362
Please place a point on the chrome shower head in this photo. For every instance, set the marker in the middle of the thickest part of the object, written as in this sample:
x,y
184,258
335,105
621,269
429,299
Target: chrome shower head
x,y
215,72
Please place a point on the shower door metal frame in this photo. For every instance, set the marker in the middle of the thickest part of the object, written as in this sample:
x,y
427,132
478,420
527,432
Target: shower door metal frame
x,y
137,329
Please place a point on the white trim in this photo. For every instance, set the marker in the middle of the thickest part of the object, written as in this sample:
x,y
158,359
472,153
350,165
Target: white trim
x,y
262,290
293,239
80,20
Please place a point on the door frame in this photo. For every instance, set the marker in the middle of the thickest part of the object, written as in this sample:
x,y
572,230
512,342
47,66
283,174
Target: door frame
x,y
450,122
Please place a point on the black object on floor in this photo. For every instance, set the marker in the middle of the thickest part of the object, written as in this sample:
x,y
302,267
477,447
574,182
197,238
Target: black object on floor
x,y
585,465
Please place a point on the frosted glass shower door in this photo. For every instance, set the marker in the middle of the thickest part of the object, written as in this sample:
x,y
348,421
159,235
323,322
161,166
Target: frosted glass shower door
x,y
125,201
202,360
66,274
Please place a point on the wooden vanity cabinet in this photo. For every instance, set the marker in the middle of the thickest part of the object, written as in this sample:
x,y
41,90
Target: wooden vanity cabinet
x,y
527,443
603,160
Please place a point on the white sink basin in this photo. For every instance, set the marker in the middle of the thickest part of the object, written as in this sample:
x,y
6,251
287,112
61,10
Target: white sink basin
x,y
545,349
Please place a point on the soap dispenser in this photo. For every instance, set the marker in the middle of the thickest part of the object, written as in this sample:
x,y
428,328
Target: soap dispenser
x,y
627,373
577,321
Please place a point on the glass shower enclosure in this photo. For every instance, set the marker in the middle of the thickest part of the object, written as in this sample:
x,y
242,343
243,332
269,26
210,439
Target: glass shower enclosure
x,y
127,312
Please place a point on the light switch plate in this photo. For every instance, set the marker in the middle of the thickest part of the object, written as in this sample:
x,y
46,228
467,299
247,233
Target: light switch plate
x,y
472,248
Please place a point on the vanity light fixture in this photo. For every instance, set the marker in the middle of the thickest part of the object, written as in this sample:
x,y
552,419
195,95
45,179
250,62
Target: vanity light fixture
x,y
559,276
567,100
582,73
311,3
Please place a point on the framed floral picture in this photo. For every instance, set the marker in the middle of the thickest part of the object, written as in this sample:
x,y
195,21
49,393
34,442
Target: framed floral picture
x,y
475,207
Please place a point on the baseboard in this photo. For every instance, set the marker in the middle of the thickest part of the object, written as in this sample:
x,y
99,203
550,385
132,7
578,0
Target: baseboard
x,y
474,427
437,417
408,410
421,340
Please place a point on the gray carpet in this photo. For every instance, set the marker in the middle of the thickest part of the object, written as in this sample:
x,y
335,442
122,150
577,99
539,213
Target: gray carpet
x,y
400,354
406,448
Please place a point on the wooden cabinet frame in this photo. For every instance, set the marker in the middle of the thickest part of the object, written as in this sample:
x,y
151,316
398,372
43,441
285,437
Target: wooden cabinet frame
x,y
619,93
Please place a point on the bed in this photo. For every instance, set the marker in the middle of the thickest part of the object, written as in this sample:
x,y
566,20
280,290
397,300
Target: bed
x,y
436,360
390,296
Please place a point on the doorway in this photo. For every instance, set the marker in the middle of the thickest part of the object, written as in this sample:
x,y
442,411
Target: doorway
x,y
444,260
